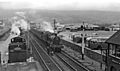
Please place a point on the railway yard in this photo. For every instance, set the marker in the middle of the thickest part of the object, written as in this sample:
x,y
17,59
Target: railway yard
x,y
68,60
58,62
59,35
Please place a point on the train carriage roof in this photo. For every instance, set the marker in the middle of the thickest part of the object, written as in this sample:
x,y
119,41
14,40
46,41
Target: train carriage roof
x,y
98,39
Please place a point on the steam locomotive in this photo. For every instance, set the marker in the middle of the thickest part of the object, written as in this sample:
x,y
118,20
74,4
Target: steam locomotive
x,y
17,50
47,38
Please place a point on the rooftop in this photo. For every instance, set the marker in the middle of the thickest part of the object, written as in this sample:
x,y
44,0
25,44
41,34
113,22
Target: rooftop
x,y
115,38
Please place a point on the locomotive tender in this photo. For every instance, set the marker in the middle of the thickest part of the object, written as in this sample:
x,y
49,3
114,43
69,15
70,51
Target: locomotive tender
x,y
17,50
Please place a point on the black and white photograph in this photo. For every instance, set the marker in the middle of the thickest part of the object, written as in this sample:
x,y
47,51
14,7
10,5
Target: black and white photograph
x,y
59,35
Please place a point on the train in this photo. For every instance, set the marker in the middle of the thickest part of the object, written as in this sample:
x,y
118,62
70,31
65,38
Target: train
x,y
17,50
97,43
19,56
47,38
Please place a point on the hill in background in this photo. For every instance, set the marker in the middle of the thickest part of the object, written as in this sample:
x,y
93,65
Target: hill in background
x,y
68,16
94,17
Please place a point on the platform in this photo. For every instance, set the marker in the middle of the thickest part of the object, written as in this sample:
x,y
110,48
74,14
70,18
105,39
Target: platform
x,y
30,66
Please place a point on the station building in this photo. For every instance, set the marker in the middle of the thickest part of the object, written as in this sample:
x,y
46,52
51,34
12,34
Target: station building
x,y
113,53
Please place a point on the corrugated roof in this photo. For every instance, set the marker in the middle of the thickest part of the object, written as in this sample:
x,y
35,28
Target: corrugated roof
x,y
114,39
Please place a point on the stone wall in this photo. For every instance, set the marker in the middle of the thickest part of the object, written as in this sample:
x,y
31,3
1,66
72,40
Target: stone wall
x,y
72,45
88,52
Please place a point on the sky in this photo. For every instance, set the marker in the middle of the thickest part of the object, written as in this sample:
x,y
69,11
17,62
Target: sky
x,y
62,4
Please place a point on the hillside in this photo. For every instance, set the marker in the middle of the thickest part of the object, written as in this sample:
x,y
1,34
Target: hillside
x,y
95,17
74,16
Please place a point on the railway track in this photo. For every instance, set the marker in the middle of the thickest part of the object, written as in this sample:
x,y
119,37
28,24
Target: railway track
x,y
70,62
47,60
35,54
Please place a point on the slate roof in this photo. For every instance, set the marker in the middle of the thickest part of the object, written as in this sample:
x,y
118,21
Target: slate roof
x,y
114,39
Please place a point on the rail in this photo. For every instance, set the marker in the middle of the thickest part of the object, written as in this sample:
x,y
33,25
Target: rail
x,y
47,59
75,60
71,62
65,62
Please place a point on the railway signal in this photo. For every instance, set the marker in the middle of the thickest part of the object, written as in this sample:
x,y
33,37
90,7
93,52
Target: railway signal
x,y
83,42
55,28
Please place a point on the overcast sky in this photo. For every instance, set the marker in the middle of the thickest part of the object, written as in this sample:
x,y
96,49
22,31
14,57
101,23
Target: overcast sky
x,y
62,4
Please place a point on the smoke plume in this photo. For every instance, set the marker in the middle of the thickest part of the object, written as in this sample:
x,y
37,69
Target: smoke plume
x,y
19,21
46,26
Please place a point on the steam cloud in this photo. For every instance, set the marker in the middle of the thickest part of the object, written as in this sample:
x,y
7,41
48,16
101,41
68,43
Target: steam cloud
x,y
15,30
46,26
19,22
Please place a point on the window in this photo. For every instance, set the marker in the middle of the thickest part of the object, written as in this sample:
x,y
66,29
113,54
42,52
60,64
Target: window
x,y
115,50
118,50
113,68
112,49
